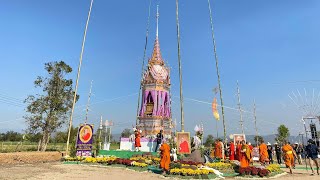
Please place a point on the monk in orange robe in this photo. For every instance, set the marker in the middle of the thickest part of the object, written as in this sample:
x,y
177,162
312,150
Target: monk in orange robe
x,y
246,155
218,150
288,155
137,143
263,151
165,156
231,152
238,150
211,151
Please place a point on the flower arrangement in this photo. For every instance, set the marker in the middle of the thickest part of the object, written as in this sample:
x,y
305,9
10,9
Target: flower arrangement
x,y
189,172
134,163
254,171
78,158
90,160
220,166
146,159
274,168
190,163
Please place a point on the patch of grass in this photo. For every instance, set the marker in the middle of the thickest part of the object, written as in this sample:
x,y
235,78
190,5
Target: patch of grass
x,y
114,146
6,147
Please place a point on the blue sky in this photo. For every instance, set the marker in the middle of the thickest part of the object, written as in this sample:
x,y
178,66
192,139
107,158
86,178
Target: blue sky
x,y
266,45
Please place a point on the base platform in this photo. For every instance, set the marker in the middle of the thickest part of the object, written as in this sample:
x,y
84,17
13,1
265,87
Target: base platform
x,y
123,154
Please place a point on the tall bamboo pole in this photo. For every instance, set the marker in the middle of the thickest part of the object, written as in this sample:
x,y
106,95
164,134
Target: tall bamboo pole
x,y
180,69
142,67
78,76
218,74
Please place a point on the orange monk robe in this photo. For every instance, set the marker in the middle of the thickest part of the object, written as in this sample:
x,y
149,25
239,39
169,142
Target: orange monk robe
x,y
288,155
231,152
137,139
165,156
263,151
246,156
218,151
238,152
212,153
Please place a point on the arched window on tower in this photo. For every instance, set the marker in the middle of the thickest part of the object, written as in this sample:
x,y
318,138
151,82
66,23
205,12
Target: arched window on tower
x,y
150,105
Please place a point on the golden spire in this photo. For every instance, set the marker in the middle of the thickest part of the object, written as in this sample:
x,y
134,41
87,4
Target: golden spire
x,y
156,57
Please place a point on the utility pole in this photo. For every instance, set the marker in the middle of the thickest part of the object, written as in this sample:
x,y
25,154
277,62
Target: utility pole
x,y
305,128
87,109
241,120
255,120
301,135
78,77
100,130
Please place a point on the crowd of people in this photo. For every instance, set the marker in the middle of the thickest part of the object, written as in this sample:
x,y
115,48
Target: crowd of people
x,y
287,153
242,151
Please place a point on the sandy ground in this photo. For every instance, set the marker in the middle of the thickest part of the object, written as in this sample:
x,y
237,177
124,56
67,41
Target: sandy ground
x,y
67,171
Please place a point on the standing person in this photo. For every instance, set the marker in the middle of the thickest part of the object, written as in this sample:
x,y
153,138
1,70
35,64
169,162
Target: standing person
x,y
294,157
278,152
222,149
218,150
288,155
295,148
270,153
263,151
238,151
137,142
299,151
231,152
159,140
250,146
165,156
246,155
312,154
211,151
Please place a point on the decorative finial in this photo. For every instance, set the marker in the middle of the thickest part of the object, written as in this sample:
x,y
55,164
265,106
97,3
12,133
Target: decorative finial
x,y
157,16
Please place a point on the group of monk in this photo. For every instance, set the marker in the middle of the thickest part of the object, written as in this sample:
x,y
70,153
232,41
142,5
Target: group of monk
x,y
241,151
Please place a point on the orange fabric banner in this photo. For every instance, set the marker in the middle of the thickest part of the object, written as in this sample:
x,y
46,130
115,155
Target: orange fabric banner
x,y
214,109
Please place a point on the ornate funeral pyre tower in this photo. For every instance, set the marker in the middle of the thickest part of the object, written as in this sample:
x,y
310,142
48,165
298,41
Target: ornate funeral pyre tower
x,y
155,111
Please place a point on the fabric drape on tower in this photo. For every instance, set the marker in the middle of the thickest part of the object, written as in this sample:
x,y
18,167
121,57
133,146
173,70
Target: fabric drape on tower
x,y
154,97
214,109
145,100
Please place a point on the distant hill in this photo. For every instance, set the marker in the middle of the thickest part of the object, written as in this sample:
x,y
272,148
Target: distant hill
x,y
271,139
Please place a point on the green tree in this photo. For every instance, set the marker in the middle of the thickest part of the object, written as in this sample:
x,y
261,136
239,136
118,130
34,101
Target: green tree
x,y
126,133
209,140
49,110
11,136
283,134
34,137
62,136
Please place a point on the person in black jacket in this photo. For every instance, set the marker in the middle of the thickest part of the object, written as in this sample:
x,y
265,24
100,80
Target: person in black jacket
x,y
159,140
312,154
270,153
278,152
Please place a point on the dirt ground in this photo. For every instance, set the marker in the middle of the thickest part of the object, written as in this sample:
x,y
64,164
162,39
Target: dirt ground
x,y
29,157
59,171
